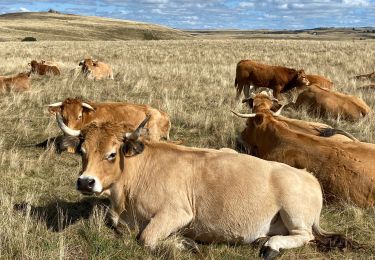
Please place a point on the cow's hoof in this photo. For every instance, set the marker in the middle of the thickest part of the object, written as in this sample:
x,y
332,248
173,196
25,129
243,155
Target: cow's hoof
x,y
267,252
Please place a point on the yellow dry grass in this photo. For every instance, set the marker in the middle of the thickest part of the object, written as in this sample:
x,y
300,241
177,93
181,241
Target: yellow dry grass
x,y
41,214
59,27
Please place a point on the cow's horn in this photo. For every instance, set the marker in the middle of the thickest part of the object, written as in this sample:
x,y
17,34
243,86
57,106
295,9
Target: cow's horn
x,y
243,115
137,132
278,112
65,128
87,106
57,104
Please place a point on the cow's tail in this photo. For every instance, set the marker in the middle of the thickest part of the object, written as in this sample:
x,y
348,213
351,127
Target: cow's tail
x,y
327,241
328,132
235,83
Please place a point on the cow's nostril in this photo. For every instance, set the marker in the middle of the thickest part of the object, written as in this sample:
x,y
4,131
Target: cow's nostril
x,y
91,183
79,184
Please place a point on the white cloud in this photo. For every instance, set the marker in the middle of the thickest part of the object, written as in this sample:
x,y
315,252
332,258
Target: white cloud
x,y
157,11
355,3
283,6
245,4
23,9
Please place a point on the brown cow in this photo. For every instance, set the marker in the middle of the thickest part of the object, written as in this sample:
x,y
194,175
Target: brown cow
x,y
265,103
170,188
251,74
345,169
320,81
93,69
18,83
44,69
78,113
324,102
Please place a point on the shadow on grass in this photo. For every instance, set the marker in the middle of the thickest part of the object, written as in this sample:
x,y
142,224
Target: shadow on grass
x,y
60,214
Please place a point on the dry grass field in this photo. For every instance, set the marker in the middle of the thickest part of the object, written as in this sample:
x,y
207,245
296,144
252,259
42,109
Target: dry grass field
x,y
42,216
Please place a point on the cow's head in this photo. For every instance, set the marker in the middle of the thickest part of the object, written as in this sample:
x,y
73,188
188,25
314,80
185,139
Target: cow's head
x,y
259,134
263,101
72,111
103,148
34,64
301,78
88,65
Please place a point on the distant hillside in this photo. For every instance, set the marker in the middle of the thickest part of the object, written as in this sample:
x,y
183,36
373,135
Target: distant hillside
x,y
357,33
45,26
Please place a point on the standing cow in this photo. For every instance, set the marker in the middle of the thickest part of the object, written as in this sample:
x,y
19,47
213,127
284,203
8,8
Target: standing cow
x,y
181,189
251,74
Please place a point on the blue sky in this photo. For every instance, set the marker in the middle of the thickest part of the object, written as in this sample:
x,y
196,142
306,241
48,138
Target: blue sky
x,y
216,14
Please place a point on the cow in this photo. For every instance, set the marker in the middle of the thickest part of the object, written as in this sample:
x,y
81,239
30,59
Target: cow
x,y
280,79
172,188
264,103
41,68
77,113
93,69
345,169
325,102
320,81
18,83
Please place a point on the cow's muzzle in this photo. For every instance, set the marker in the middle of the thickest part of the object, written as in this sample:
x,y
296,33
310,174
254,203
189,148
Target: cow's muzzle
x,y
89,185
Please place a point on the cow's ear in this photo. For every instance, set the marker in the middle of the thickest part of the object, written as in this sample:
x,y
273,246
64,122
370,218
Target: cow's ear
x,y
95,62
249,101
132,148
71,144
54,110
258,119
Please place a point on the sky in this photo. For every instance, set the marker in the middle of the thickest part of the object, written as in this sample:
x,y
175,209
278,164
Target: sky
x,y
215,14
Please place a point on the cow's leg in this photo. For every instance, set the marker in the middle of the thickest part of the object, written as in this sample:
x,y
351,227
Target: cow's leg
x,y
117,199
162,225
238,91
247,89
299,225
276,92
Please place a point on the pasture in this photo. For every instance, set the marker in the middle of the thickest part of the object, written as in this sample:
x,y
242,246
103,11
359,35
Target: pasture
x,y
42,216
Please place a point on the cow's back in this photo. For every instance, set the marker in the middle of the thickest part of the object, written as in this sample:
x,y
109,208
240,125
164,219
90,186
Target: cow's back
x,y
320,81
344,169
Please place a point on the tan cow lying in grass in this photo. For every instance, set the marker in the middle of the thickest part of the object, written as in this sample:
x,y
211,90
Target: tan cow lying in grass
x,y
18,83
94,69
346,170
320,81
324,102
207,195
77,114
264,103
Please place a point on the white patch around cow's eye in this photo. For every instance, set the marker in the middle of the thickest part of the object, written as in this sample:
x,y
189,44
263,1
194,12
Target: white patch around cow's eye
x,y
80,116
111,156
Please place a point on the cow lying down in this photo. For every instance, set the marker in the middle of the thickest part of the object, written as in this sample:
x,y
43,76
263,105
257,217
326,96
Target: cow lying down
x,y
345,169
206,194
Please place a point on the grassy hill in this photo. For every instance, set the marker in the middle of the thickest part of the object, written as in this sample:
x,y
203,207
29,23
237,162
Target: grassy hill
x,y
358,33
46,26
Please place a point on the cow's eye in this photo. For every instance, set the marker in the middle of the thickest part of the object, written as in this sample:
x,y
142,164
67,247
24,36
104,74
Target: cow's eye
x,y
79,116
111,156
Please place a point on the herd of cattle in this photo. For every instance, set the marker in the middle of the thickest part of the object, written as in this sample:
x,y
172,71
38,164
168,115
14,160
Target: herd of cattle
x,y
274,193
